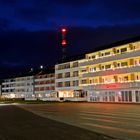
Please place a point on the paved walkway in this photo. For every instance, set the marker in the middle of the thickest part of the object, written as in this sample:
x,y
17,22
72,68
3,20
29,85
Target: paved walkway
x,y
19,124
117,120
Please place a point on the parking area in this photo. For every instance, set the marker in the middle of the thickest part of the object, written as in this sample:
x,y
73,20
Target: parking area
x,y
117,120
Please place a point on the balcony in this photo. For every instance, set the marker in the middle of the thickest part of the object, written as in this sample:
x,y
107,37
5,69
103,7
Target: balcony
x,y
113,71
111,58
112,86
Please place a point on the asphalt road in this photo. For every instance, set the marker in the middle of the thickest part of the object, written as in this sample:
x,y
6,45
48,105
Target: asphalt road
x,y
19,124
116,120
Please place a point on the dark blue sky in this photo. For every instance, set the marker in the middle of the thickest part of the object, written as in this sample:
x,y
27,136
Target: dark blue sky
x,y
29,29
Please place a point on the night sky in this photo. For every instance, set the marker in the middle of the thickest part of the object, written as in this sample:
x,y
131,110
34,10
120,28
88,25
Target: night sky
x,y
30,29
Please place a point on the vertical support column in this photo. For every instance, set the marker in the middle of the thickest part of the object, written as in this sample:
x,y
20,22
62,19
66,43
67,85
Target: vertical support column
x,y
133,96
116,96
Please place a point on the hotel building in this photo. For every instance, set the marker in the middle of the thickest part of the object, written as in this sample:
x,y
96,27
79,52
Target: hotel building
x,y
45,85
19,87
112,74
107,74
67,81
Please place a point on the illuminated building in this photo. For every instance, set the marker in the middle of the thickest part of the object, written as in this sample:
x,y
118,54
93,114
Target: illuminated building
x,y
67,81
20,87
45,85
112,74
107,74
39,84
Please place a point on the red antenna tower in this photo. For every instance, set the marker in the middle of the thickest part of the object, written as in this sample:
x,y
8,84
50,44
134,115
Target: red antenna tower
x,y
63,42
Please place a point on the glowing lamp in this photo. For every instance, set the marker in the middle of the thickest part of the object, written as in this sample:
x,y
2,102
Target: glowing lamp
x,y
63,30
64,42
41,66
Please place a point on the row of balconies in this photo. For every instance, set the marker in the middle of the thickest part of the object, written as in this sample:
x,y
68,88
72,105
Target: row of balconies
x,y
66,65
124,70
67,83
110,58
44,88
67,75
112,86
39,77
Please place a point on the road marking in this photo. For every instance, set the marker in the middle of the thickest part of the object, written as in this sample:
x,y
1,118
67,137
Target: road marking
x,y
118,114
113,128
110,116
101,120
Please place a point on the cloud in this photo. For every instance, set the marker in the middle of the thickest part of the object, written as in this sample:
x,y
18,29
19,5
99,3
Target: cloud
x,y
35,15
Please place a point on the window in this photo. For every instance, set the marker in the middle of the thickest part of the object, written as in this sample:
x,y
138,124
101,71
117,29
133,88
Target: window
x,y
107,66
93,56
83,70
59,75
42,89
90,81
118,51
67,65
75,73
93,69
123,64
138,77
47,82
52,88
123,50
103,67
47,88
125,78
137,62
75,64
84,81
137,94
118,65
67,84
52,81
41,82
60,84
107,53
67,74
36,89
75,83
109,80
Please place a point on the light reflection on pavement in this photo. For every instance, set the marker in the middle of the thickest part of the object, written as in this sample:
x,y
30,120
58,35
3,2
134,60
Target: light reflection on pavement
x,y
117,120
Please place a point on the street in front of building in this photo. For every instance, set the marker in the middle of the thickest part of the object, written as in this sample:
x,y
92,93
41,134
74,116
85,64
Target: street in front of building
x,y
116,120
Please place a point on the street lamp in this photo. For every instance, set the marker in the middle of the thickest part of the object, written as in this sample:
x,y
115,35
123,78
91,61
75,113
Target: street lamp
x,y
41,66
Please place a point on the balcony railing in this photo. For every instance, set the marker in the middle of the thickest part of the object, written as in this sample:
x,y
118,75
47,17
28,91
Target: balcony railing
x,y
111,58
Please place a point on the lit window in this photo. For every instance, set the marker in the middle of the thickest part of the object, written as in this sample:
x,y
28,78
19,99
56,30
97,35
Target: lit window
x,y
123,50
123,64
107,53
107,66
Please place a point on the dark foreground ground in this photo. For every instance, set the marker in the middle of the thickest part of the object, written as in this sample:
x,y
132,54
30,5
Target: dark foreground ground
x,y
19,124
116,120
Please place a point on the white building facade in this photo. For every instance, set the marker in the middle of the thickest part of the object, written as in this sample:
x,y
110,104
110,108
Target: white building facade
x,y
45,87
20,87
67,82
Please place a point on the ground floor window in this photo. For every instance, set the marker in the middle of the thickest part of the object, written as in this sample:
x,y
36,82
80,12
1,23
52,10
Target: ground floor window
x,y
126,96
137,96
114,96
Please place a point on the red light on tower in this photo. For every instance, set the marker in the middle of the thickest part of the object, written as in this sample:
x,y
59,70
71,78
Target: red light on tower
x,y
63,30
64,42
